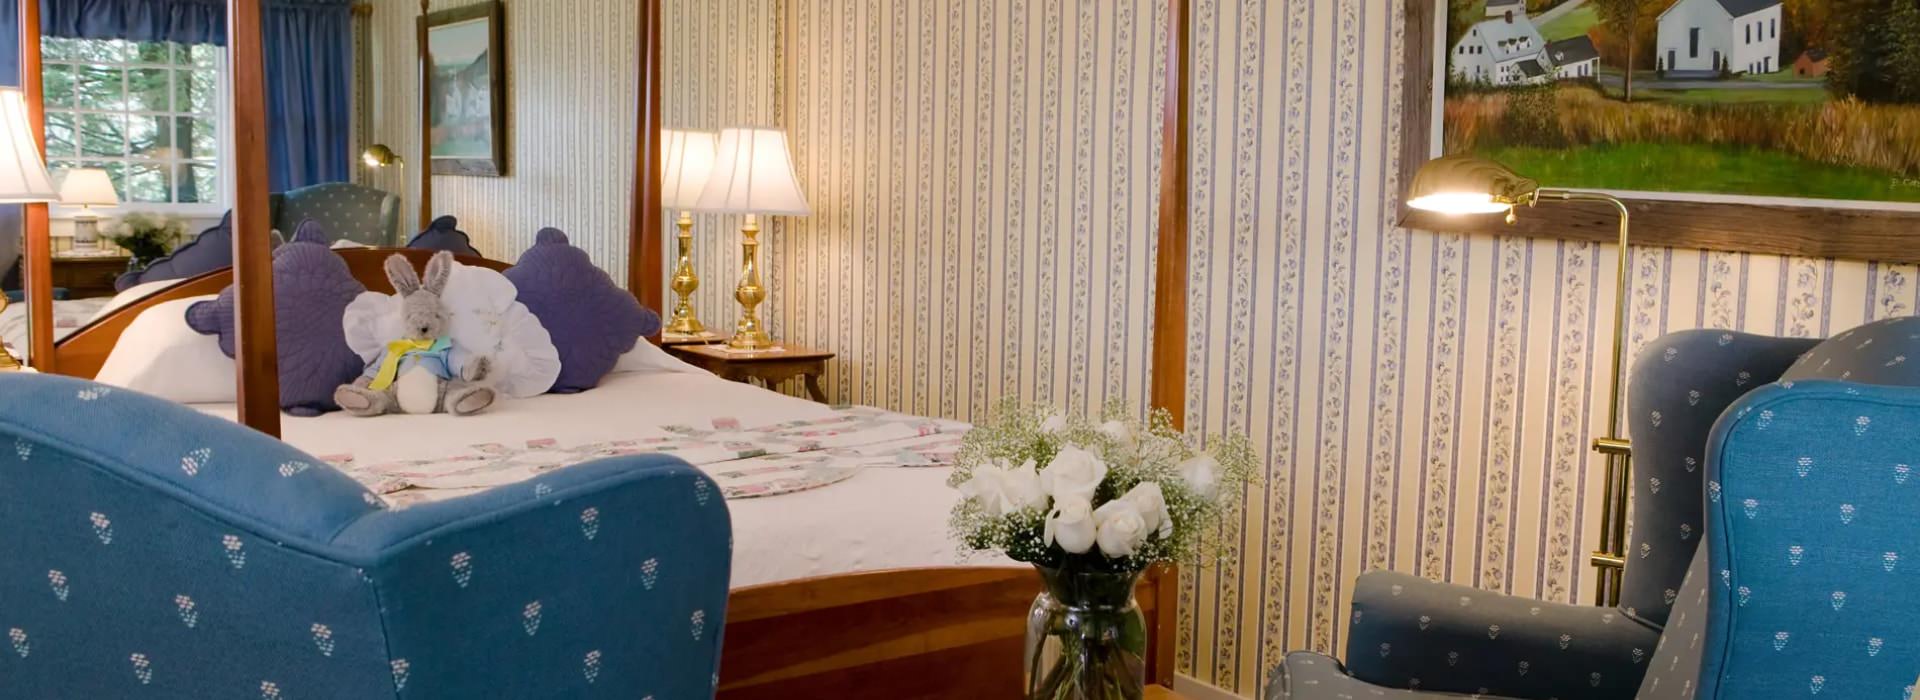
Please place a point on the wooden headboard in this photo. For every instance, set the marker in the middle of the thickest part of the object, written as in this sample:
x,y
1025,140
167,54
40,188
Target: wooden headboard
x,y
82,353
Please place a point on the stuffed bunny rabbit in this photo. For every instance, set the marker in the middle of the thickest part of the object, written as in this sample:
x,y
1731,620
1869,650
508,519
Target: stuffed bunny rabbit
x,y
415,374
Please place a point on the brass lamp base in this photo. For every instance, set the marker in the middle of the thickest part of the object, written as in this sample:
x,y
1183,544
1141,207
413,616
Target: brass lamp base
x,y
748,334
685,281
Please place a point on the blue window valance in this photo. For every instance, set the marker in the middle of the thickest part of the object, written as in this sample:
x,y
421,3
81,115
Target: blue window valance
x,y
183,21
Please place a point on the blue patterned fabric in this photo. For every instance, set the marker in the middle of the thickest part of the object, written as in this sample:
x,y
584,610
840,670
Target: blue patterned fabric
x,y
153,551
1876,353
1680,384
357,213
1811,538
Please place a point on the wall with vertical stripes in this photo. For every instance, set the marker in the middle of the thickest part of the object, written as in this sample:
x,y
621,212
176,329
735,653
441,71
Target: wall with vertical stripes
x,y
984,177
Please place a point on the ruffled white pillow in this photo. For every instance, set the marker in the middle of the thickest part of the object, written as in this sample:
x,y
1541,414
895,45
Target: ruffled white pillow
x,y
483,319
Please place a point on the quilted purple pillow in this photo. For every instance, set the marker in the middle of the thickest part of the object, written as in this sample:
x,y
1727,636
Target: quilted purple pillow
x,y
311,289
593,321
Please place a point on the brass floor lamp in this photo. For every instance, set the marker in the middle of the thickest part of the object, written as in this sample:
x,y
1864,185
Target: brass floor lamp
x,y
1467,185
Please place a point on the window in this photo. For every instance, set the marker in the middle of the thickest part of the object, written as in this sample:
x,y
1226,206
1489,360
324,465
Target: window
x,y
145,112
1749,29
1693,43
1773,27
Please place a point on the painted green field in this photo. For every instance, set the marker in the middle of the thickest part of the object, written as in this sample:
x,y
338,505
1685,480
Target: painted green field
x,y
1571,24
1681,167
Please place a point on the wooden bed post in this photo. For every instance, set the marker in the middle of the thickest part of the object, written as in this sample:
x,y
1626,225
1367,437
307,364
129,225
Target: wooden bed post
x,y
644,245
256,355
425,164
1169,375
37,238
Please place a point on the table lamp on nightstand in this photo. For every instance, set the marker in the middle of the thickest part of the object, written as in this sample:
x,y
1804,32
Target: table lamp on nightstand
x,y
23,175
87,188
685,170
752,175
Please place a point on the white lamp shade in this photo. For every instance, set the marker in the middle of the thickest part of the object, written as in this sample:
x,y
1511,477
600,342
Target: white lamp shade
x,y
753,174
685,169
83,187
23,175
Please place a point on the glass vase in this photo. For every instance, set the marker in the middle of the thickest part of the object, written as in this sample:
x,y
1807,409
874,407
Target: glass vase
x,y
1086,638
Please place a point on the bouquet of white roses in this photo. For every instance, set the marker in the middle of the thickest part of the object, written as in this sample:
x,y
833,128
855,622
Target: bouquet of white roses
x,y
1111,494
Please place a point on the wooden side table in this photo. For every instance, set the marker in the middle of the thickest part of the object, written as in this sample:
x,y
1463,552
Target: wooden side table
x,y
672,340
771,367
88,276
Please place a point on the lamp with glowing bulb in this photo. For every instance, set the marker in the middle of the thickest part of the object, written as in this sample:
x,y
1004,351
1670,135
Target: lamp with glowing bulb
x,y
380,156
686,166
86,188
1465,185
752,175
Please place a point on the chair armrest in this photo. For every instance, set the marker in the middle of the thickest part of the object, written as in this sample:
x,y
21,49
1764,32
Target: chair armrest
x,y
612,573
1409,632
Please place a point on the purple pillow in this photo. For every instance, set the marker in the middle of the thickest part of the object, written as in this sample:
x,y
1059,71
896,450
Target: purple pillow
x,y
311,289
593,321
444,234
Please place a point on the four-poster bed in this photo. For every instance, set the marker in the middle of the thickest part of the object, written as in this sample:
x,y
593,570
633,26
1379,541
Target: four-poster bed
x,y
920,632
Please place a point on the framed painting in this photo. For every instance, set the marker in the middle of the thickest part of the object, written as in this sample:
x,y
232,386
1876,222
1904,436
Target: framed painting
x,y
463,60
1788,127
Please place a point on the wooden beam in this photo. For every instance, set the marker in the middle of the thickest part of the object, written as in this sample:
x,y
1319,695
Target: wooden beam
x,y
256,353
1168,389
424,166
644,263
36,234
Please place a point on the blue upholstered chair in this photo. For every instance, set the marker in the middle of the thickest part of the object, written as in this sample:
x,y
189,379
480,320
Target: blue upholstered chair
x,y
148,550
357,213
1800,592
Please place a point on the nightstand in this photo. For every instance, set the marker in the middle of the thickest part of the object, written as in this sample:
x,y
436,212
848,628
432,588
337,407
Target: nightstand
x,y
771,367
88,276
670,340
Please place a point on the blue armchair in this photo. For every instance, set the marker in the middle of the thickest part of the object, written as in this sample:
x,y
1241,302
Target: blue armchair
x,y
1408,632
151,550
1805,586
357,213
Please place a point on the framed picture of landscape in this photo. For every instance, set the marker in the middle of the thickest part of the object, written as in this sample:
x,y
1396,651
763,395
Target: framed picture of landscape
x,y
1778,126
464,65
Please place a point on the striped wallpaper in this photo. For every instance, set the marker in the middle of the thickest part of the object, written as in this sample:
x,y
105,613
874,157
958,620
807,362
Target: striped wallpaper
x,y
983,174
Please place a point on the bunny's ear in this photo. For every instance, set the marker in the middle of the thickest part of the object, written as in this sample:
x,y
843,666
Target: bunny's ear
x,y
438,270
400,273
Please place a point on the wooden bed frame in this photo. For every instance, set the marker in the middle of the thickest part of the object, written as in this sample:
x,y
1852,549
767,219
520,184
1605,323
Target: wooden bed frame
x,y
923,633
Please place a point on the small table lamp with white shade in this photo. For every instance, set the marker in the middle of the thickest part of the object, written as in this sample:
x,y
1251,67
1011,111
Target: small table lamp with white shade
x,y
752,175
687,165
87,188
23,175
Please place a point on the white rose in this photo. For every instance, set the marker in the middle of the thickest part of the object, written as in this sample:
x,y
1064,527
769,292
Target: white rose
x,y
1074,474
1003,490
1152,505
1070,525
1120,528
1053,424
1117,431
1202,474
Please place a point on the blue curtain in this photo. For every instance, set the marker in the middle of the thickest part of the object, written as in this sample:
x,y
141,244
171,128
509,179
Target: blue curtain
x,y
309,69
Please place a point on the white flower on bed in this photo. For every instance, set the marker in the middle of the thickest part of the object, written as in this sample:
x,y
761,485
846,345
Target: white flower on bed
x,y
1074,474
1001,489
1070,525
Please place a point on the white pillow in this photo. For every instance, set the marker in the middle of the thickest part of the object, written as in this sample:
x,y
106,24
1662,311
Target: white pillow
x,y
647,357
159,355
484,318
133,294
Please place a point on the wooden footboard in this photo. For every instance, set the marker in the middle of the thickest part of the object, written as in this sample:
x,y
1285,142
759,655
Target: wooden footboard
x,y
911,633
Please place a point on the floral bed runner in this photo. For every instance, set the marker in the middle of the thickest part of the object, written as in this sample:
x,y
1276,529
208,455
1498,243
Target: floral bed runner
x,y
746,462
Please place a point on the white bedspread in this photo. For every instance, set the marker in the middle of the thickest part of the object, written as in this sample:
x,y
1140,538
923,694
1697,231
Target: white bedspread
x,y
68,316
882,517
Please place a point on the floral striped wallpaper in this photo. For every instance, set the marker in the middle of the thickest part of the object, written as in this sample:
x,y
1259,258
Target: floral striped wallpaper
x,y
984,173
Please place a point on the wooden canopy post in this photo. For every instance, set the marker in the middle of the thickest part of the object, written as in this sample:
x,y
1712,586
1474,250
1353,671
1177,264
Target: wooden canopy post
x,y
1168,388
37,238
256,354
644,271
425,164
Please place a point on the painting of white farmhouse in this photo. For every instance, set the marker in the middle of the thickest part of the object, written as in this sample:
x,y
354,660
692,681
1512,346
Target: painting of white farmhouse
x,y
1812,99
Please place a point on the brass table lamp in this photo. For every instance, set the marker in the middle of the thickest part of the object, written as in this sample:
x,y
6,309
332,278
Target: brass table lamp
x,y
1468,185
752,175
687,165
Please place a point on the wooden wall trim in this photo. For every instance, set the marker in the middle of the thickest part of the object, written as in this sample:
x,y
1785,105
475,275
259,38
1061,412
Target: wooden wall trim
x,y
423,168
1807,231
1168,388
36,234
256,355
645,266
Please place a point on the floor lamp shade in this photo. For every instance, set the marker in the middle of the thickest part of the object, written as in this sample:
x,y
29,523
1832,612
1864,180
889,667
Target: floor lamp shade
x,y
753,174
686,168
23,175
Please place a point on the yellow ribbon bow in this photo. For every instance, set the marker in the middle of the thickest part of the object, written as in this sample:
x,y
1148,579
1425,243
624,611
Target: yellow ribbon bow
x,y
390,366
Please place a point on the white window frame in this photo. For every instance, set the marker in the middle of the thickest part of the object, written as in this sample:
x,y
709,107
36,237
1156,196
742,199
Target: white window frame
x,y
223,156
